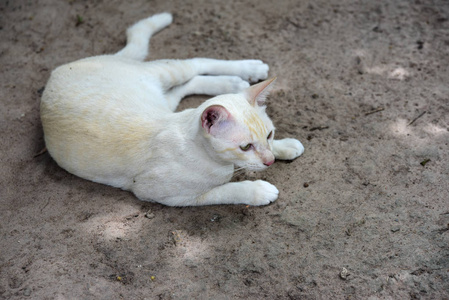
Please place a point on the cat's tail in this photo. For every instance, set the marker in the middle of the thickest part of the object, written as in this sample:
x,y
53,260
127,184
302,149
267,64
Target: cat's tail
x,y
138,35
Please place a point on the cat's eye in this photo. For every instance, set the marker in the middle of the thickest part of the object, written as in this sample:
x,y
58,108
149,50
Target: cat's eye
x,y
270,135
246,147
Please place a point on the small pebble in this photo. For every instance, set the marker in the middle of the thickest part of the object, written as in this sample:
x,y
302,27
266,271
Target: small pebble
x,y
215,218
344,273
149,215
395,229
27,292
306,184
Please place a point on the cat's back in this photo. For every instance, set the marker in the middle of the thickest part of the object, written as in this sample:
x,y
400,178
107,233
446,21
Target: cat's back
x,y
98,114
104,80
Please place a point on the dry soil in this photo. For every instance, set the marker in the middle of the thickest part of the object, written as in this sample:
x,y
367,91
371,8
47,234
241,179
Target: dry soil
x,y
362,214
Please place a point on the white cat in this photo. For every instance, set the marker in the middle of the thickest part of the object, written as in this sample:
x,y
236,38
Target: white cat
x,y
111,119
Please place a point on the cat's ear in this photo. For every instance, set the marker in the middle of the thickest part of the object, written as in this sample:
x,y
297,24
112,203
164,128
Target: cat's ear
x,y
256,94
215,119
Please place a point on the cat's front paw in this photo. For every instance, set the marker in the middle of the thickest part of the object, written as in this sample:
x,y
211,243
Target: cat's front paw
x,y
263,193
253,70
287,149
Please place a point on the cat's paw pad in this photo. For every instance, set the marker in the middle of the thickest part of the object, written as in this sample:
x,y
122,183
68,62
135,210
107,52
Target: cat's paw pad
x,y
264,193
254,70
287,149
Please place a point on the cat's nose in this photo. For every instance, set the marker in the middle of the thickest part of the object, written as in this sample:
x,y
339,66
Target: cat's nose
x,y
269,163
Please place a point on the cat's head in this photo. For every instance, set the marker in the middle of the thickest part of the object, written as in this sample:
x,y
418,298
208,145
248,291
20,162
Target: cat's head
x,y
238,129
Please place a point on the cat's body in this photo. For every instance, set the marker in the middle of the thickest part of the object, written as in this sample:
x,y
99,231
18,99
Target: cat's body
x,y
111,119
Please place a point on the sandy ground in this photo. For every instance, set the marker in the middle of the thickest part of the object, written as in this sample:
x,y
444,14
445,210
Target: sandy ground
x,y
363,84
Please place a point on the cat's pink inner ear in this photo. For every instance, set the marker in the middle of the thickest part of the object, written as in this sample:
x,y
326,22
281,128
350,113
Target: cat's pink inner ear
x,y
213,119
257,94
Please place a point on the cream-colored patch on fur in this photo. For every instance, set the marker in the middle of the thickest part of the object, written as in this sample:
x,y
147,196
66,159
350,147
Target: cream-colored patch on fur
x,y
256,126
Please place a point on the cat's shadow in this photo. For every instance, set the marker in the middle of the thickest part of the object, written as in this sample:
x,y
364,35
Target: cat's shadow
x,y
195,221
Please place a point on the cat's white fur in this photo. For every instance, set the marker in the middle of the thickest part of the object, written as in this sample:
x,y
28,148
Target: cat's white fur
x,y
111,119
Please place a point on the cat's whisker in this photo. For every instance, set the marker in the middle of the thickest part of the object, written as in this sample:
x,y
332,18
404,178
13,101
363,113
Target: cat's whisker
x,y
217,170
236,171
239,171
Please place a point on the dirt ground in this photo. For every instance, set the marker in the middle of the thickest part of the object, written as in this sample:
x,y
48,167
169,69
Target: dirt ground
x,y
363,214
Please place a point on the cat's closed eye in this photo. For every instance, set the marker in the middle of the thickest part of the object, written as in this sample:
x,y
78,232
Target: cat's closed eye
x,y
270,135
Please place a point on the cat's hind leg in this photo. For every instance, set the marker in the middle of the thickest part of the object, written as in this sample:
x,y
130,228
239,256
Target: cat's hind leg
x,y
172,73
251,70
205,85
138,35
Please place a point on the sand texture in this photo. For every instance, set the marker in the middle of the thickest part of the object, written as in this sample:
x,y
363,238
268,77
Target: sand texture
x,y
362,214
